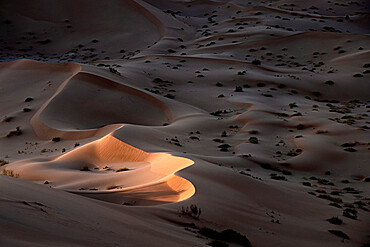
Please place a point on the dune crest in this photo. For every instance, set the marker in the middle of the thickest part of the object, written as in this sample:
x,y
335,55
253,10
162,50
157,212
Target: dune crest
x,y
110,166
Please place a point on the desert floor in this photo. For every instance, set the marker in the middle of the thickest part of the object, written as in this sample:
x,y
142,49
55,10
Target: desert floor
x,y
166,122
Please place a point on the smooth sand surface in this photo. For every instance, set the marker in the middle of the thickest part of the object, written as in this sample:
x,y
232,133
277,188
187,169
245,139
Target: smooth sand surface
x,y
117,116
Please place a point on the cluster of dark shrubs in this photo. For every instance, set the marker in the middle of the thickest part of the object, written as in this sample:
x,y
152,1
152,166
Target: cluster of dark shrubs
x,y
228,235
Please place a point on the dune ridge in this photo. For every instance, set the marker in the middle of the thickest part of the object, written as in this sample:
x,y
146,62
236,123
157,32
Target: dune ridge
x,y
96,165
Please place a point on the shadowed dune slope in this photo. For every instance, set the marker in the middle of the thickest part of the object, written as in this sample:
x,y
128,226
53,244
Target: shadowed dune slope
x,y
63,28
102,101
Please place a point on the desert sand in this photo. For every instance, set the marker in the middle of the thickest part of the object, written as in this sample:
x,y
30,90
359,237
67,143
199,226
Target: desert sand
x,y
160,122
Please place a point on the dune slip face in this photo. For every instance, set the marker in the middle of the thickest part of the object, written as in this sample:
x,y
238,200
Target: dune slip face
x,y
184,123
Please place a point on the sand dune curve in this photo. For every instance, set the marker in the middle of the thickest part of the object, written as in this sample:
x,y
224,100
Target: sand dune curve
x,y
109,103
109,166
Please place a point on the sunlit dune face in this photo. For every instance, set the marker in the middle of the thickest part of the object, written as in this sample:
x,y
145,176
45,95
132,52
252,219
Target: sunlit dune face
x,y
110,166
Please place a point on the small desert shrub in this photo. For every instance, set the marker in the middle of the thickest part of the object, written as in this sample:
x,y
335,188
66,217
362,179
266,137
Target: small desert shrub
x,y
333,204
350,213
339,234
225,145
286,172
192,211
216,113
114,71
321,131
238,89
351,190
10,173
228,235
330,198
256,62
349,144
218,140
306,184
253,140
3,162
7,119
300,127
317,94
266,95
170,96
277,177
111,187
335,221
324,181
123,169
85,168
16,132
56,139
294,152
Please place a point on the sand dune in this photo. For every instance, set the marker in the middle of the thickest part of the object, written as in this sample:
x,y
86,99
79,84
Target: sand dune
x,y
120,120
110,166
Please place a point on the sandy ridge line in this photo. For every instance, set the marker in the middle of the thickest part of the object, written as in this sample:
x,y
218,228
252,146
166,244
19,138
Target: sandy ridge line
x,y
39,126
272,9
216,60
138,5
28,64
134,91
164,179
229,35
345,58
298,13
135,4
305,34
